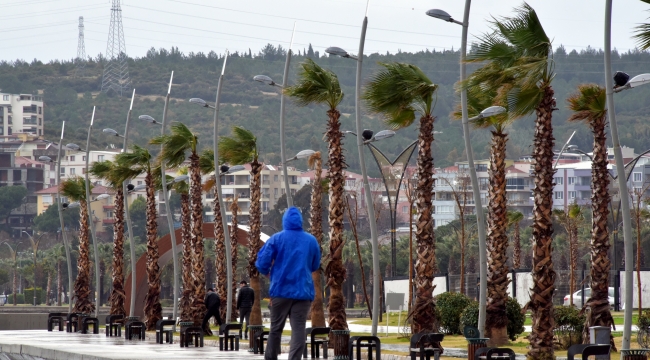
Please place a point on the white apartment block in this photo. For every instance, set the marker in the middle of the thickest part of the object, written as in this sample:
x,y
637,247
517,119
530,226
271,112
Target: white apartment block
x,y
21,113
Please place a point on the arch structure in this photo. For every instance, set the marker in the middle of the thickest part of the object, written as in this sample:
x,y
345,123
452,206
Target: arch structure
x,y
165,255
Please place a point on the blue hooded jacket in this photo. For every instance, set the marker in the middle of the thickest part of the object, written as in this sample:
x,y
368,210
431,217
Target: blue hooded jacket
x,y
290,256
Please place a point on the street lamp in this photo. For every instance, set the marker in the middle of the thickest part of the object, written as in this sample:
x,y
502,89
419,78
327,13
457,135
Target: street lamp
x,y
35,244
165,195
303,154
285,82
480,217
623,81
219,198
362,163
201,102
111,132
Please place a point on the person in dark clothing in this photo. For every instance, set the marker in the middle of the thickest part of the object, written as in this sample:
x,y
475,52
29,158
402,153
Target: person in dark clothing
x,y
212,304
245,301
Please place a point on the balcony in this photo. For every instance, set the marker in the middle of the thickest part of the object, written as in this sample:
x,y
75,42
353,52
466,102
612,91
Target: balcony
x,y
108,221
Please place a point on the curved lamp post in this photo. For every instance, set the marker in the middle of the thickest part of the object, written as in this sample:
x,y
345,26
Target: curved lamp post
x,y
35,244
362,163
285,81
13,251
224,220
165,194
480,217
66,245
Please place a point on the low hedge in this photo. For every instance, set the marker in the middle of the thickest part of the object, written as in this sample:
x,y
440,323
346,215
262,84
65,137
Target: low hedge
x,y
516,318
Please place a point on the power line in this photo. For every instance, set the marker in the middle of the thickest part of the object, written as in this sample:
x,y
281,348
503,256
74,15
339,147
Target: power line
x,y
58,11
60,23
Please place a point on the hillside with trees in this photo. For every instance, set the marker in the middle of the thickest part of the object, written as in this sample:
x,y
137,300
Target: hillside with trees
x,y
70,97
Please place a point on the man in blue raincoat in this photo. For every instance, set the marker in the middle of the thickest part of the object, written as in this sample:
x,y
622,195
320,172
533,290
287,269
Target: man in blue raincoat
x,y
290,257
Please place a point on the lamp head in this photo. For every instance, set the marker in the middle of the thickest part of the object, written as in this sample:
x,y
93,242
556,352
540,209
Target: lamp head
x,y
224,169
304,154
139,187
181,178
72,205
148,119
621,78
492,111
639,80
333,50
44,159
572,147
236,168
264,79
440,14
130,187
384,134
199,101
102,197
110,132
73,146
367,134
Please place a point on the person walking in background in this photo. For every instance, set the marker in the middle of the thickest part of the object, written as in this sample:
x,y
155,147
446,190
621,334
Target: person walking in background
x,y
212,304
245,301
289,257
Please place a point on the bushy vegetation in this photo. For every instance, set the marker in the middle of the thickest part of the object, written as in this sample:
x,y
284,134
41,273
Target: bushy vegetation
x,y
569,324
450,306
516,318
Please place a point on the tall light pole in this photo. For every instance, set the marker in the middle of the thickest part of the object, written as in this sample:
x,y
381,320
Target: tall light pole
x,y
125,190
90,216
370,208
565,147
480,217
60,209
35,244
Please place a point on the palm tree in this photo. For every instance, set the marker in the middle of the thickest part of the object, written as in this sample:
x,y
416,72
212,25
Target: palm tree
x,y
514,219
517,65
316,228
58,254
75,190
397,92
185,304
570,220
130,165
643,34
240,149
106,170
234,209
176,145
206,163
316,85
588,104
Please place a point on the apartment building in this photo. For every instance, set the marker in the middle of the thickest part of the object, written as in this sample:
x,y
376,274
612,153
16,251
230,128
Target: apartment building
x,y
21,113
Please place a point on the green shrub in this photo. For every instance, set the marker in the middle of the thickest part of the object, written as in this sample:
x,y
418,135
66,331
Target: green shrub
x,y
20,299
569,324
29,295
643,335
516,319
450,306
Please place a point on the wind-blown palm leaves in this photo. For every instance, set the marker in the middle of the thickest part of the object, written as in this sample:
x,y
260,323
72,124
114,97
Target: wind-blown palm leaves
x,y
206,163
132,164
75,190
589,105
517,66
497,219
316,85
316,228
397,92
176,145
106,170
643,33
239,149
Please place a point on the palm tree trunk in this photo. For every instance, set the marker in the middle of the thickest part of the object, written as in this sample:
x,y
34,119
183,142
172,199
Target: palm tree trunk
x,y
598,313
573,248
462,251
15,286
118,295
638,254
83,300
188,285
424,316
497,244
233,245
516,248
254,242
335,270
317,312
59,284
198,267
48,289
220,254
152,307
541,303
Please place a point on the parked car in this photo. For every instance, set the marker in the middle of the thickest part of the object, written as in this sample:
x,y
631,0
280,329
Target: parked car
x,y
577,298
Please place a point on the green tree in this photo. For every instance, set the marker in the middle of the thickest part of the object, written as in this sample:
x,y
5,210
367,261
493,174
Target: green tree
x,y
398,92
49,222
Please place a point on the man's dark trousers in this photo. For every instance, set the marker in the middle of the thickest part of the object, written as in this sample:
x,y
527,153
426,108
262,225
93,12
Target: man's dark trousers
x,y
297,311
244,314
208,315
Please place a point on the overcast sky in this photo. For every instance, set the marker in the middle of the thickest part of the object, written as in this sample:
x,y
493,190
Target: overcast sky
x,y
47,29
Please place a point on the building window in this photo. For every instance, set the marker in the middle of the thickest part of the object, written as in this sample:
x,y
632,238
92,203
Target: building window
x,y
559,195
62,171
572,180
40,110
139,182
100,157
444,209
40,121
72,158
83,158
572,194
559,180
405,209
9,109
72,171
5,97
637,177
349,183
275,178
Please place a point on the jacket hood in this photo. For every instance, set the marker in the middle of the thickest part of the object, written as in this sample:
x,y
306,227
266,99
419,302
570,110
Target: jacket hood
x,y
292,220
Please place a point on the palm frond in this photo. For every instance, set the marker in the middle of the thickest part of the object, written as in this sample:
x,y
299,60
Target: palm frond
x,y
176,144
209,184
74,188
313,160
315,85
642,36
514,217
206,161
138,160
397,92
241,148
588,103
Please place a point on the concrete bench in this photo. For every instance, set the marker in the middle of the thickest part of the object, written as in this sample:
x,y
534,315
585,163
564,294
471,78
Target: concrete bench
x,y
86,322
226,336
160,330
114,325
423,345
315,340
